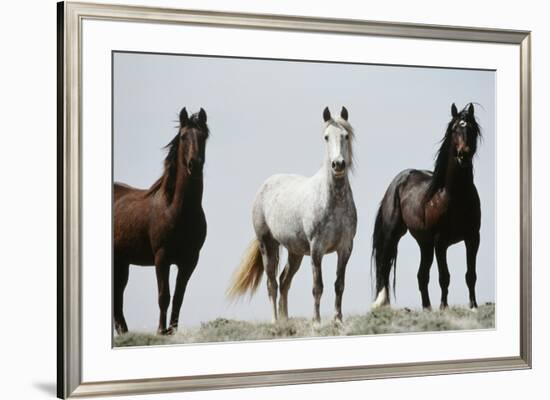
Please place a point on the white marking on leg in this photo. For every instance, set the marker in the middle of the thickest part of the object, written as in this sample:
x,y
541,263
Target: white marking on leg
x,y
382,299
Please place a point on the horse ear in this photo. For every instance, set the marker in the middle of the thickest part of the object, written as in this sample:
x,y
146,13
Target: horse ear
x,y
454,111
471,110
344,114
202,115
184,118
326,114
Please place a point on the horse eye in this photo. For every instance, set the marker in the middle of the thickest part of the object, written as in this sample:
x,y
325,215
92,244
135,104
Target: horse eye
x,y
326,138
347,137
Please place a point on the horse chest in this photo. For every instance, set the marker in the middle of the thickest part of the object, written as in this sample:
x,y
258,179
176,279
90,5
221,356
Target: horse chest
x,y
335,227
456,221
179,236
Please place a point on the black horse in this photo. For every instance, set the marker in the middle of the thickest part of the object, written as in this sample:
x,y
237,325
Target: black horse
x,y
439,208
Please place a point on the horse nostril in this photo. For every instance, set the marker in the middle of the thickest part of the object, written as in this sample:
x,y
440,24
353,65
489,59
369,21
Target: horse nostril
x,y
338,165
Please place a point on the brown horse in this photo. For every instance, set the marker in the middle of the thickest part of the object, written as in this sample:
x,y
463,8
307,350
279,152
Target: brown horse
x,y
165,224
438,208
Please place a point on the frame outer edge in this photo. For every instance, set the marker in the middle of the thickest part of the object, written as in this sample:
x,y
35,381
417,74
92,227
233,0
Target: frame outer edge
x,y
60,351
70,16
72,330
526,201
298,23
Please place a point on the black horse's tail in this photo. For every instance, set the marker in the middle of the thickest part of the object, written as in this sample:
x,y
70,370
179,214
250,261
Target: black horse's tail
x,y
388,230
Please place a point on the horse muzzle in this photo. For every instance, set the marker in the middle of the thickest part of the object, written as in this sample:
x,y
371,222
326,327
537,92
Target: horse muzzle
x,y
339,168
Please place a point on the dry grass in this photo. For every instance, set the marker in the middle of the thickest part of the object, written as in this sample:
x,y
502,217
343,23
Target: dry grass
x,y
381,321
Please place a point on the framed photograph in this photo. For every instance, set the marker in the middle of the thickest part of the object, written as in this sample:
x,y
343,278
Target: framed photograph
x,y
204,157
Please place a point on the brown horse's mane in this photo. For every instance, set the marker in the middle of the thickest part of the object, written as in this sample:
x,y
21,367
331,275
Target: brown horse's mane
x,y
168,176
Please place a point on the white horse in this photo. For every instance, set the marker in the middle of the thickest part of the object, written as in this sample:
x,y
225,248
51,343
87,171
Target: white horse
x,y
308,216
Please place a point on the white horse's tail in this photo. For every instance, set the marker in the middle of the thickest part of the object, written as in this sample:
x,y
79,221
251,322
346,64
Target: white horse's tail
x,y
249,274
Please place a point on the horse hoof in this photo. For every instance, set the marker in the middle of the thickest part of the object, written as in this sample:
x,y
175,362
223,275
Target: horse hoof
x,y
121,330
171,331
473,309
382,299
427,308
443,307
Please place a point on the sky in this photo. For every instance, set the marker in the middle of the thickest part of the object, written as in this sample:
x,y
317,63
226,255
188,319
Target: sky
x,y
265,117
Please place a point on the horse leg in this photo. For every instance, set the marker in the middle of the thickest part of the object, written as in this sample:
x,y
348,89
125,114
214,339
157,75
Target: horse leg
x,y
426,259
343,257
385,257
162,270
472,245
291,267
121,272
316,259
185,269
269,249
444,276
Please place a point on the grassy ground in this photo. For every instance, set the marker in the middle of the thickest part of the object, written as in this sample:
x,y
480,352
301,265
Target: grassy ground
x,y
376,322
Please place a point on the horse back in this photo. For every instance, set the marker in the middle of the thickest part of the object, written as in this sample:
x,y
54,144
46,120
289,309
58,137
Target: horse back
x,y
121,189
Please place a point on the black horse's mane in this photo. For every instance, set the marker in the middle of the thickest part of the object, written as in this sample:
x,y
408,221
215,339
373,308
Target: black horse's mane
x,y
443,154
170,161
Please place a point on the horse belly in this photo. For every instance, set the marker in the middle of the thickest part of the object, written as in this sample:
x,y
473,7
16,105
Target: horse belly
x,y
134,249
294,240
284,222
296,246
131,242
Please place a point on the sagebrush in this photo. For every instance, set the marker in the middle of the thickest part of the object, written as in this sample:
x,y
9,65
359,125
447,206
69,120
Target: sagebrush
x,y
379,321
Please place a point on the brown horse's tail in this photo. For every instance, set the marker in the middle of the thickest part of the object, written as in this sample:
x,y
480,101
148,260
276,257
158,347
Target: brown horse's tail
x,y
249,274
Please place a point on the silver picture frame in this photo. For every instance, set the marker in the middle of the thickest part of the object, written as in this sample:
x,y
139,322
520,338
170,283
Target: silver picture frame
x,y
70,17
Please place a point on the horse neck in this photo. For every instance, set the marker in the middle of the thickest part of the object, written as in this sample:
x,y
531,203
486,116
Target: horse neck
x,y
456,178
187,191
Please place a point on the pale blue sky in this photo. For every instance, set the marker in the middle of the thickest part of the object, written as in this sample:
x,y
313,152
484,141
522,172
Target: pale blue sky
x,y
265,117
